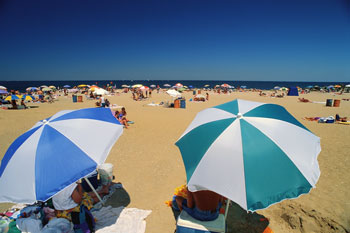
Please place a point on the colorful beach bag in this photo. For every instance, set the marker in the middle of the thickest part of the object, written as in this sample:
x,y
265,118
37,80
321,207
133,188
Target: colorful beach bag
x,y
83,221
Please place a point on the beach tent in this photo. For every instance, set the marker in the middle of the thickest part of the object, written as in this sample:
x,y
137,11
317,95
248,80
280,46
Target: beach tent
x,y
293,91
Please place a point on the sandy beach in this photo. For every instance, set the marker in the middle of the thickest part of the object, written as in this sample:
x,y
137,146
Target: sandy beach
x,y
149,165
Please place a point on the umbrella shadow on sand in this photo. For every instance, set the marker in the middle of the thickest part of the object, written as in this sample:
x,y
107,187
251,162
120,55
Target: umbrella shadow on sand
x,y
119,198
239,220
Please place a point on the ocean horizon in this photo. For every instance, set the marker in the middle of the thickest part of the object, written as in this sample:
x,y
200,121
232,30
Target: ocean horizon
x,y
264,85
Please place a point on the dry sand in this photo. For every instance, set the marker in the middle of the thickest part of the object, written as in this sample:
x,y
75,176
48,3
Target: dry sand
x,y
149,165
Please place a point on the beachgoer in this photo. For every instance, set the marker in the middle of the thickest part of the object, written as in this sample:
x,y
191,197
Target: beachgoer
x,y
341,119
70,198
23,104
207,96
202,205
102,102
121,118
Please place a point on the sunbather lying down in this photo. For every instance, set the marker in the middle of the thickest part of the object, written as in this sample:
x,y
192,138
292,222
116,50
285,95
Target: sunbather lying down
x,y
304,100
341,119
312,118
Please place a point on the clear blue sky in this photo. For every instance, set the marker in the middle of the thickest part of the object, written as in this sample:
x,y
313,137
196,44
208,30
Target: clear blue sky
x,y
281,40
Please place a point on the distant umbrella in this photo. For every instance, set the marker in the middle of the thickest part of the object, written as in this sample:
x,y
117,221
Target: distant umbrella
x,y
32,89
27,97
225,85
46,89
3,88
124,85
43,86
82,85
66,86
178,85
153,86
12,97
167,85
276,88
143,88
137,85
207,85
244,87
52,87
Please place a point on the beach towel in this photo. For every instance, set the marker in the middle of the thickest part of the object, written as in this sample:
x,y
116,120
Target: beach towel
x,y
121,219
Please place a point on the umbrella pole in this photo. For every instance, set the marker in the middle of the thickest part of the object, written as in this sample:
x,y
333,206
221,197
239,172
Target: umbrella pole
x,y
227,205
94,190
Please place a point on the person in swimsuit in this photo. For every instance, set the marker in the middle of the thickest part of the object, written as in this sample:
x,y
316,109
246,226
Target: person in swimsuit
x,y
202,205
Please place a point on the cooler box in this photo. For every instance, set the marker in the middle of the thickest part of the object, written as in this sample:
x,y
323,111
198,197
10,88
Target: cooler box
x,y
329,102
186,224
194,92
336,103
183,104
80,98
74,98
177,103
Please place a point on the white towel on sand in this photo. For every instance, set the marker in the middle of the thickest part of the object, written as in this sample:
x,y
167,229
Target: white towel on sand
x,y
121,219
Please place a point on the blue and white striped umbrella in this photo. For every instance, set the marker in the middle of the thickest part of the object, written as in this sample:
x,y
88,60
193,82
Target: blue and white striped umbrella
x,y
57,152
253,153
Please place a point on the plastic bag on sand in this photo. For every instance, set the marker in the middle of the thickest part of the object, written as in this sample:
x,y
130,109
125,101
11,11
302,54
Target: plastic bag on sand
x,y
58,225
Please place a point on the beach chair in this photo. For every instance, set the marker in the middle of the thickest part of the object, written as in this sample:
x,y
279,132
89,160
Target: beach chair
x,y
186,224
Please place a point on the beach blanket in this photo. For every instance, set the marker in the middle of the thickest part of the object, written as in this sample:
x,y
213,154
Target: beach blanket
x,y
121,219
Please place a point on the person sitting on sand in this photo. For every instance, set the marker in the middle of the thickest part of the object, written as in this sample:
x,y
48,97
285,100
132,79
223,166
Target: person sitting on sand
x,y
23,104
121,119
341,119
70,198
202,205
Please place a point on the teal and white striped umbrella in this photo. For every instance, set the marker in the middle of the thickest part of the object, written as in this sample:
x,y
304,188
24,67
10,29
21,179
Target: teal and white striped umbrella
x,y
255,154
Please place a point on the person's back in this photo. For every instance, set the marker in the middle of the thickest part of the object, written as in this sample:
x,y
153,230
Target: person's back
x,y
206,200
201,205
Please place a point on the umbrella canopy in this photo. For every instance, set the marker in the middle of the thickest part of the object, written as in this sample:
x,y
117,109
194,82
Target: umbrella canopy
x,y
153,86
143,88
173,93
27,97
2,91
12,97
124,85
32,89
57,152
52,87
3,88
46,89
337,86
206,85
178,85
66,86
136,85
100,91
181,89
348,85
276,88
167,85
225,85
253,153
82,85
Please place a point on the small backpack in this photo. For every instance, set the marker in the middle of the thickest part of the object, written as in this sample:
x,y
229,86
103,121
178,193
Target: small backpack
x,y
83,221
